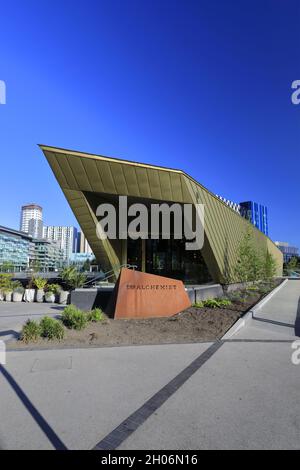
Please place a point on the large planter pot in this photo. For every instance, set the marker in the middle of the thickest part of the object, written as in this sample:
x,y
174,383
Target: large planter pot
x,y
8,296
40,294
29,295
17,296
50,298
64,297
2,296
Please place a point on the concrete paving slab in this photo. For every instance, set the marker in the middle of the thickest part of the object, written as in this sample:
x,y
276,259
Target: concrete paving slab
x,y
83,403
258,330
284,305
245,397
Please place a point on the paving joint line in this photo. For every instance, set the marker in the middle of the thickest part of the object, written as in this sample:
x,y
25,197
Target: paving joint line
x,y
118,435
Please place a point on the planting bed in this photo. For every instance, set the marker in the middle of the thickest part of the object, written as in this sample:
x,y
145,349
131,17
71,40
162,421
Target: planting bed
x,y
191,325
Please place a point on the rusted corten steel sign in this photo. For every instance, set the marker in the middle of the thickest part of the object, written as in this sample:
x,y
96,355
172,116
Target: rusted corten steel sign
x,y
142,295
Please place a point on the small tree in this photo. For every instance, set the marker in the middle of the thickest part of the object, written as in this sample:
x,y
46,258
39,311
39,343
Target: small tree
x,y
269,266
292,264
248,266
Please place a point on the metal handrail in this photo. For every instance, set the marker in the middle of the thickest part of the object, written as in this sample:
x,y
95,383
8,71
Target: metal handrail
x,y
110,273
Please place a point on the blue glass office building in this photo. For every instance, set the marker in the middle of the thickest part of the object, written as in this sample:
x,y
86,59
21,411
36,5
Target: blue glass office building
x,y
257,214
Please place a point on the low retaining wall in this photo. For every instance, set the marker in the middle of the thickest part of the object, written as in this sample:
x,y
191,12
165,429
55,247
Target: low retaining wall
x,y
197,293
86,299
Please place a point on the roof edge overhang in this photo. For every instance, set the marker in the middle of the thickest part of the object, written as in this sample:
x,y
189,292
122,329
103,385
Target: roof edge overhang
x,y
93,156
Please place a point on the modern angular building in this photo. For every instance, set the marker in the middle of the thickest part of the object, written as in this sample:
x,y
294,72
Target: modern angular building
x,y
88,180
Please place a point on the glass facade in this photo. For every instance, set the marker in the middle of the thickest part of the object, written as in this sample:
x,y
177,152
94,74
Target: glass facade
x,y
16,249
287,251
20,252
257,214
168,258
47,255
78,259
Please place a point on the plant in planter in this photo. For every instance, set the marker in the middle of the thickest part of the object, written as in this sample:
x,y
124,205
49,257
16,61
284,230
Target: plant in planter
x,y
57,292
9,289
8,294
73,279
5,282
18,293
51,292
29,291
40,284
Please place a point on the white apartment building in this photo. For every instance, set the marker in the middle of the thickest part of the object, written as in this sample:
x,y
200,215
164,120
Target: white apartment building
x,y
66,238
31,220
82,245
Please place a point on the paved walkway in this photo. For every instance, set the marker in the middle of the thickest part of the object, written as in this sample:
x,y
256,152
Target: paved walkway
x,y
13,315
279,317
242,393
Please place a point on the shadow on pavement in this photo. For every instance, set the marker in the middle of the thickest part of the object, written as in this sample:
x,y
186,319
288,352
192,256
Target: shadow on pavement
x,y
9,332
39,419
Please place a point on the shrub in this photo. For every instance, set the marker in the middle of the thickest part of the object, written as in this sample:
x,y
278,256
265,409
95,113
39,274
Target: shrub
x,y
264,289
53,288
224,302
236,296
48,294
31,331
5,282
211,303
95,315
198,304
40,283
51,328
14,285
253,288
74,318
19,289
72,277
216,303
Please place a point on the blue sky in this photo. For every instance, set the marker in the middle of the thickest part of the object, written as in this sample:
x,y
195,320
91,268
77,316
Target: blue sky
x,y
204,86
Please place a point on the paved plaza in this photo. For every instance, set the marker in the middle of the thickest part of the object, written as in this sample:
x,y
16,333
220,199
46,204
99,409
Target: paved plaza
x,y
240,393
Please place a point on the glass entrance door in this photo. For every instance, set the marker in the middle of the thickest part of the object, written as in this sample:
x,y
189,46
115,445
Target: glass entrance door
x,y
135,253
